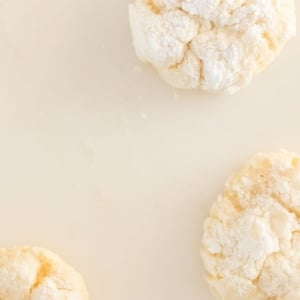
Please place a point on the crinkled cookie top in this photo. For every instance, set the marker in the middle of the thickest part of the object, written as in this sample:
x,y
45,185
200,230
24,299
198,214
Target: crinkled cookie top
x,y
251,242
213,44
37,274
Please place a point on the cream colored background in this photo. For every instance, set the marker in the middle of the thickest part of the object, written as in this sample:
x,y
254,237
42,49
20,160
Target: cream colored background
x,y
105,164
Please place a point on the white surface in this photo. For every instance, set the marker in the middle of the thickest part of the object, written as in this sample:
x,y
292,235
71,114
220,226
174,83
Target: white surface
x,y
120,196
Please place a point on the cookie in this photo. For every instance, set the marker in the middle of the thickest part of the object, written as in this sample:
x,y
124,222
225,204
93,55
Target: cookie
x,y
218,46
251,240
38,274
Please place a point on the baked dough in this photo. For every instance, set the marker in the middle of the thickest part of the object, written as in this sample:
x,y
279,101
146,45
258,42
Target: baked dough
x,y
37,274
251,241
219,46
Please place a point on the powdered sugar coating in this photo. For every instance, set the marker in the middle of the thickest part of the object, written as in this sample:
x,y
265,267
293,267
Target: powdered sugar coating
x,y
251,241
213,44
38,274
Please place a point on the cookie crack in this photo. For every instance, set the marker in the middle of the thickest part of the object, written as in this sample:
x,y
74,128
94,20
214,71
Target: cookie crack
x,y
44,271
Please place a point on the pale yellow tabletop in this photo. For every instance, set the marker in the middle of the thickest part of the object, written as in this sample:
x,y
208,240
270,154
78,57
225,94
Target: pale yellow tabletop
x,y
105,164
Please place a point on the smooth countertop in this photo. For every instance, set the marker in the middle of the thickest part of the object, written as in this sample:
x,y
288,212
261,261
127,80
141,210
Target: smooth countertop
x,y
105,164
